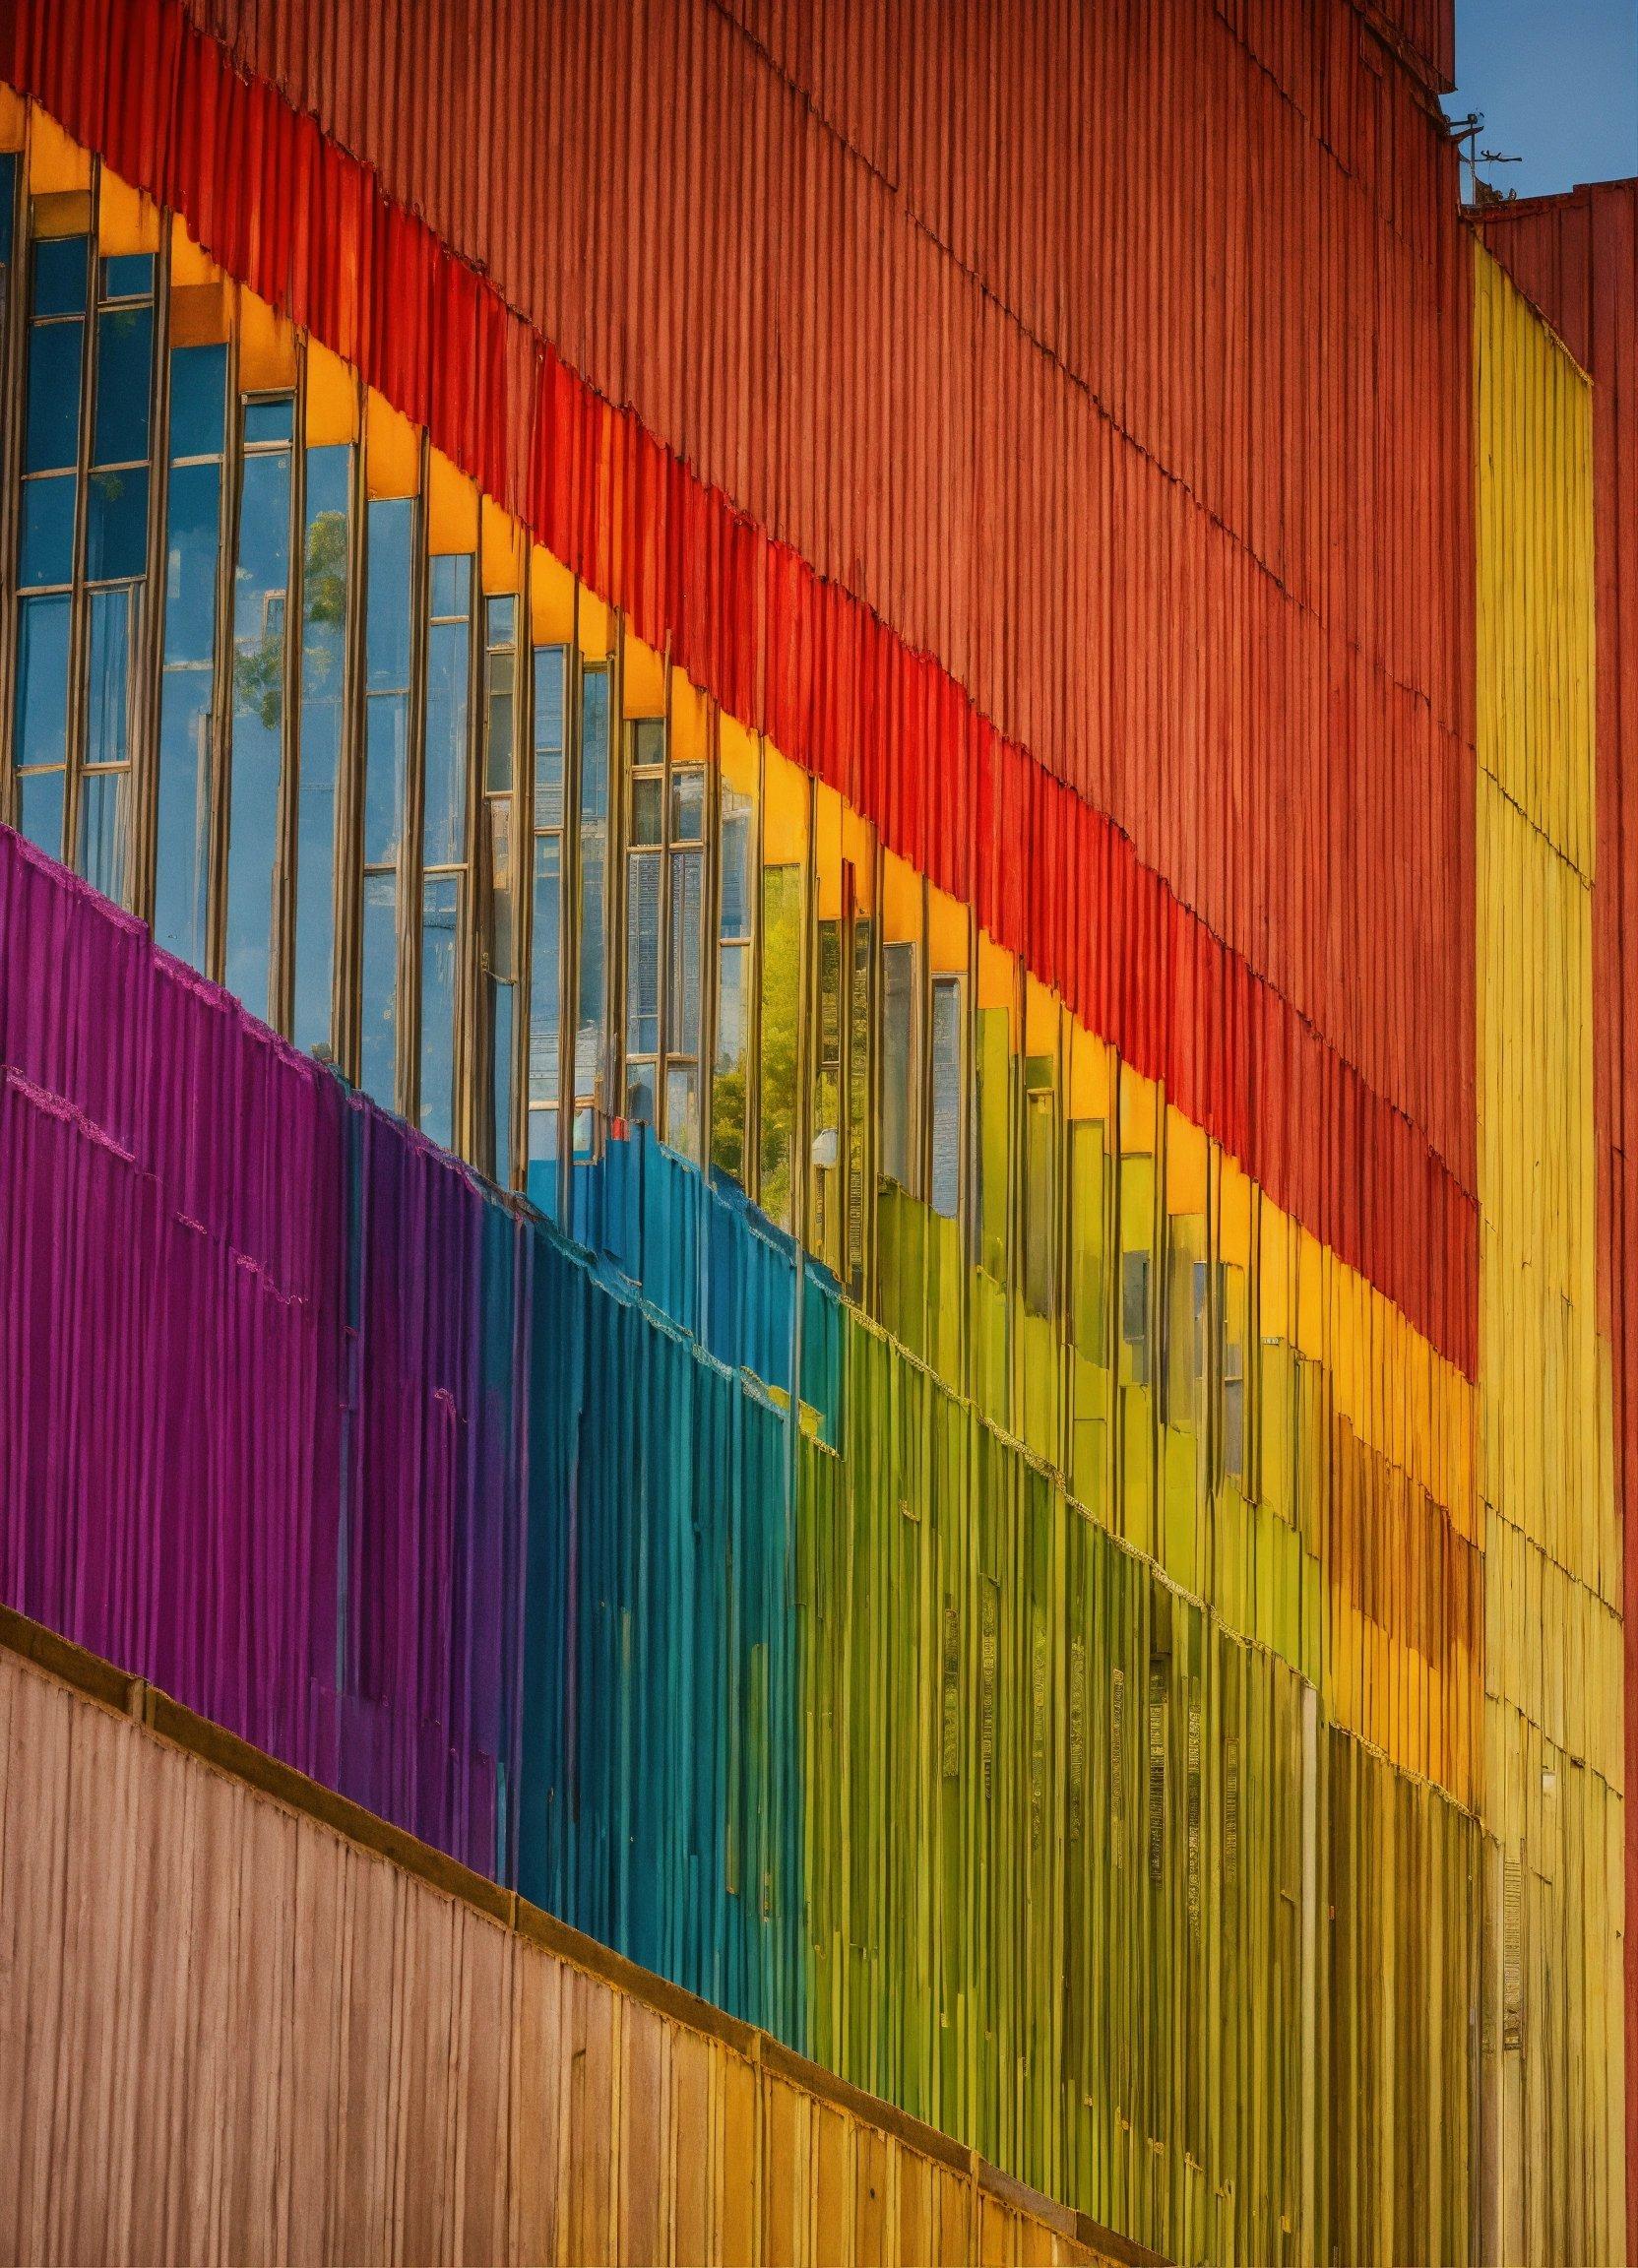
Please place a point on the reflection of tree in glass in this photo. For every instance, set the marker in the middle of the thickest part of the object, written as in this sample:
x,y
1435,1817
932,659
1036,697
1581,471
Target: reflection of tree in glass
x,y
782,960
259,669
728,1121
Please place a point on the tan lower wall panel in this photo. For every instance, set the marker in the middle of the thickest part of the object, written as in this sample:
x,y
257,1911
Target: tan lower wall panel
x,y
229,2033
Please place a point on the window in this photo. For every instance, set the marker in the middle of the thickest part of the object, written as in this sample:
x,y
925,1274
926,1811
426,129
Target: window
x,y
948,1128
685,941
545,982
901,1066
500,879
781,968
115,564
592,1004
1134,1315
645,856
1041,1187
48,518
325,570
736,898
261,588
665,934
444,840
391,525
193,548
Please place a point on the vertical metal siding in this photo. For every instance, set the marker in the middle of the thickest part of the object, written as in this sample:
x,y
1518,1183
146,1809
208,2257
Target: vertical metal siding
x,y
255,2037
1030,327
1299,778
1577,258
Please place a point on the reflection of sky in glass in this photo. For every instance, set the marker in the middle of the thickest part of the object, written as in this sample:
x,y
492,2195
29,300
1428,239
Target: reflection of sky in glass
x,y
51,438
440,949
182,882
198,398
42,681
594,856
546,973
448,665
258,720
324,583
124,371
109,677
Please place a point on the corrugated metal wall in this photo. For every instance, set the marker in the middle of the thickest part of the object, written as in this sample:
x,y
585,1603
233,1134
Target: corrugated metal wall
x,y
252,2038
1287,940
876,1740
1577,258
1554,1762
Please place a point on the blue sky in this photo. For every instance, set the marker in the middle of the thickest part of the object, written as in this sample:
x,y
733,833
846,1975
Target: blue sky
x,y
1557,82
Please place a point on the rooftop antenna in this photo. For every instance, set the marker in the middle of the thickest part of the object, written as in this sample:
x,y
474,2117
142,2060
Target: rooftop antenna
x,y
1485,192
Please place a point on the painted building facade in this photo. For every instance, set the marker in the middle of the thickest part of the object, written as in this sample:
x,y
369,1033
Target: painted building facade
x,y
806,1070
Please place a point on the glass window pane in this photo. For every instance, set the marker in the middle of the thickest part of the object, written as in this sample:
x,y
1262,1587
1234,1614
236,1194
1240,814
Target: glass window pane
x,y
781,914
447,669
324,580
687,806
550,672
271,420
590,1039
727,1088
440,948
860,1034
41,812
198,400
736,862
683,1109
682,959
109,677
183,863
947,1121
192,542
502,1012
1041,1203
498,741
128,276
124,376
502,890
640,1087
452,583
42,683
386,744
47,544
117,524
378,991
102,817
543,1160
61,271
901,1069
52,435
546,973
260,596
643,953
647,808
391,531
648,741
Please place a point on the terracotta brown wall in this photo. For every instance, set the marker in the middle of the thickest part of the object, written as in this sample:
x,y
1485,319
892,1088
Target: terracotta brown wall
x,y
1577,258
230,2031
